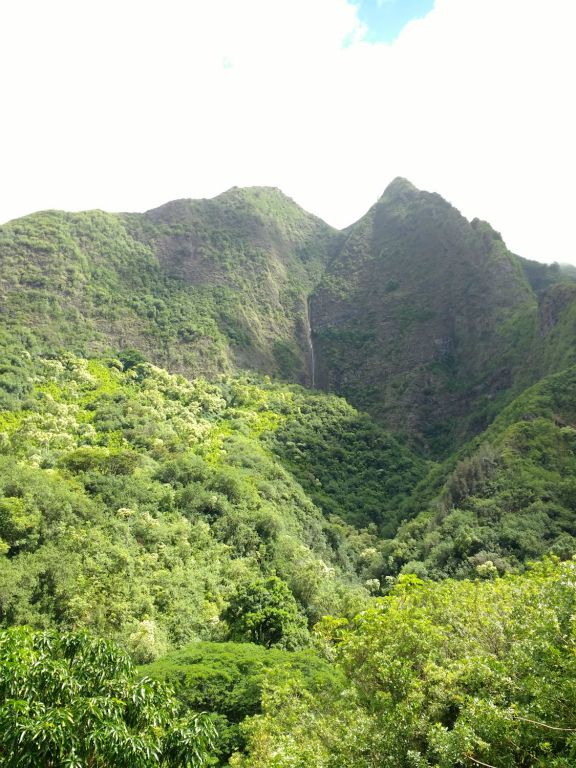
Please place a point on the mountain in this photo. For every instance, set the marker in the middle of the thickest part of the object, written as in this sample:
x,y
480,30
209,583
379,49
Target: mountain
x,y
414,314
339,573
200,287
420,319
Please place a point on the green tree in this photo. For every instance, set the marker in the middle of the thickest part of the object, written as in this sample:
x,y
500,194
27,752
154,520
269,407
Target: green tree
x,y
228,680
70,700
265,612
440,675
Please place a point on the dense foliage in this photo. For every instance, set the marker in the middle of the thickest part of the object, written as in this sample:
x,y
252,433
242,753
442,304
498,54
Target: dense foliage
x,y
69,701
446,675
228,680
511,496
265,612
329,595
137,504
347,464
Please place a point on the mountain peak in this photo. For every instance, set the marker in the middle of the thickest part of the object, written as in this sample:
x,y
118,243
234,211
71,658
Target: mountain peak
x,y
399,186
254,192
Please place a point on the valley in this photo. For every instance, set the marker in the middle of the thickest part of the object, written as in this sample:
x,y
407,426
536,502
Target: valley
x,y
322,483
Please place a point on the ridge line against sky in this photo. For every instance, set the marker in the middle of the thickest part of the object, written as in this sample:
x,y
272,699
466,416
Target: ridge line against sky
x,y
125,105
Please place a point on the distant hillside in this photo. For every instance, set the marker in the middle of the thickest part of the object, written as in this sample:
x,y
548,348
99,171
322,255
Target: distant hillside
x,y
507,498
200,286
542,276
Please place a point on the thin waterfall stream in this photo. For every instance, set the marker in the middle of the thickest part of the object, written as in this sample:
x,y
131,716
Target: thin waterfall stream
x,y
310,345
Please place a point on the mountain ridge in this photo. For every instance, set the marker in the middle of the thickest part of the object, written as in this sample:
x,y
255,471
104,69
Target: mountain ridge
x,y
414,313
427,276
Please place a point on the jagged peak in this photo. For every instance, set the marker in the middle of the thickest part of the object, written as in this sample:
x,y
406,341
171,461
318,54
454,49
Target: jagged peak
x,y
399,186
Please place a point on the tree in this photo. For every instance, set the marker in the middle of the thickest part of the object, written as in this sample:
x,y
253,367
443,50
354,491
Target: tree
x,y
71,700
265,612
450,675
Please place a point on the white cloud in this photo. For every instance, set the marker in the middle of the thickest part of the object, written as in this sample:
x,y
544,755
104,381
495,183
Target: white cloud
x,y
124,105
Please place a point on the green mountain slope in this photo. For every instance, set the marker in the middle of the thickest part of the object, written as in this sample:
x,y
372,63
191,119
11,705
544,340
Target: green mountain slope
x,y
190,516
422,318
199,286
414,314
134,502
509,497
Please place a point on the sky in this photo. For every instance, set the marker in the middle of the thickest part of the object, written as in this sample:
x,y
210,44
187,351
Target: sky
x,y
126,104
384,19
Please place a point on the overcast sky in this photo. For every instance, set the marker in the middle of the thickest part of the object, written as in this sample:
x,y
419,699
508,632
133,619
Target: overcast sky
x,y
125,104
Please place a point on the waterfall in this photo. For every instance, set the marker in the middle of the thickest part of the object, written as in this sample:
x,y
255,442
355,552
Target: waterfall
x,y
310,345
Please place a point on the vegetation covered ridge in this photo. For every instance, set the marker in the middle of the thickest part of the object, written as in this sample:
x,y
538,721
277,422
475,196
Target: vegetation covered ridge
x,y
508,497
200,286
416,315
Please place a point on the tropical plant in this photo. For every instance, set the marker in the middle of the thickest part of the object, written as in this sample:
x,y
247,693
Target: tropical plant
x,y
265,612
71,701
